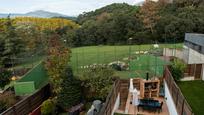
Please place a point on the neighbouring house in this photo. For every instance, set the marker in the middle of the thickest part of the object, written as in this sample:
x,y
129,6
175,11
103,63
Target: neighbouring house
x,y
192,54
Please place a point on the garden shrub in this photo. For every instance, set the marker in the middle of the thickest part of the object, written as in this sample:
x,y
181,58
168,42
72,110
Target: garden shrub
x,y
7,99
70,94
5,76
3,106
97,82
177,69
47,107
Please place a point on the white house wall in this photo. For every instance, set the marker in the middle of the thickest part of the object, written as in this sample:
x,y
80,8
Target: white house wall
x,y
174,52
169,101
195,57
117,104
189,55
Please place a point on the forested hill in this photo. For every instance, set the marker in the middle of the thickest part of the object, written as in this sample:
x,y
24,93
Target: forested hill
x,y
110,9
114,24
150,23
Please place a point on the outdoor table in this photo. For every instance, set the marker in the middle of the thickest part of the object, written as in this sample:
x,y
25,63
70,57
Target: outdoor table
x,y
149,104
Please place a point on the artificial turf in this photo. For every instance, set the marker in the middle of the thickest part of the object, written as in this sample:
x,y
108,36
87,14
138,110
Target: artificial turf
x,y
148,63
194,94
38,74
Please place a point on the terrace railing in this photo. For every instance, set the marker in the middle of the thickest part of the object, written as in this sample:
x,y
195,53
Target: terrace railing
x,y
29,103
182,106
107,108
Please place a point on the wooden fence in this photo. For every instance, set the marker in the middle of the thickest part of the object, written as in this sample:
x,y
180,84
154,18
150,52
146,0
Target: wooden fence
x,y
180,102
30,103
110,100
120,86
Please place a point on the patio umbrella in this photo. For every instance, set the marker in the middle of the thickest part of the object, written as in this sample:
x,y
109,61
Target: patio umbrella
x,y
135,97
131,88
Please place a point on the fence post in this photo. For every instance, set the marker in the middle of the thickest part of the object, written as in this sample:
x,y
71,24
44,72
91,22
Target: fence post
x,y
177,97
29,104
77,61
14,110
182,107
115,52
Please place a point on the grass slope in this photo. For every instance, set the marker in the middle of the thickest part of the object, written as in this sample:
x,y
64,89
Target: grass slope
x,y
194,94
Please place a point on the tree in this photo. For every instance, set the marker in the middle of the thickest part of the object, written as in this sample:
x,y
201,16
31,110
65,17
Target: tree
x,y
97,82
58,58
1,49
12,44
184,3
70,95
149,15
112,24
5,76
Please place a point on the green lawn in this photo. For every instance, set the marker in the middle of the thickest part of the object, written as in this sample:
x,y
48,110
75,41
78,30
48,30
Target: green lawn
x,y
84,56
194,94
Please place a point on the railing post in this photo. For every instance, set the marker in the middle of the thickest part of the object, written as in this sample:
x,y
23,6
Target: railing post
x,y
14,110
177,98
182,107
29,104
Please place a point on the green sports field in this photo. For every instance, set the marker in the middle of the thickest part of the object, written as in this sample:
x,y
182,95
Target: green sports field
x,y
147,63
85,56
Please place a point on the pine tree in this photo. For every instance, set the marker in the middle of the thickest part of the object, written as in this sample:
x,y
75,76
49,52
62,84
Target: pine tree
x,y
70,94
12,44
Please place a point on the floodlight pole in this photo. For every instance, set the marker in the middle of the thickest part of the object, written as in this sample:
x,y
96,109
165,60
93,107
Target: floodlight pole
x,y
32,60
77,61
98,54
115,52
130,43
83,57
175,47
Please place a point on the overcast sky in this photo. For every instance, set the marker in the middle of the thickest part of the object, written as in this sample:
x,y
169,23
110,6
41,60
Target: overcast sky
x,y
68,7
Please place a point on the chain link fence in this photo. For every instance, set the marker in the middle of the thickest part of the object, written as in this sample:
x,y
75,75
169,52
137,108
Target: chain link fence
x,y
134,60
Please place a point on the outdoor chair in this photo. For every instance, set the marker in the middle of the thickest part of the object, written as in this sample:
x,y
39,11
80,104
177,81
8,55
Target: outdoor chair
x,y
160,107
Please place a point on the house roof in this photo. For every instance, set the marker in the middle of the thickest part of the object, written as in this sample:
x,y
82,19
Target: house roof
x,y
195,38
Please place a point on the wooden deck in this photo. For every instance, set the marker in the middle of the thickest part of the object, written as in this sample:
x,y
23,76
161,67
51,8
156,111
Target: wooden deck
x,y
134,111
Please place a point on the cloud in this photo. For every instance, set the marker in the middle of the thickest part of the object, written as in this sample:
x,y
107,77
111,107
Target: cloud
x,y
68,7
3,10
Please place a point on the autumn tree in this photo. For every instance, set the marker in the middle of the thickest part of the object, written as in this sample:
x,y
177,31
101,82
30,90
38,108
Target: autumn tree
x,y
57,61
149,14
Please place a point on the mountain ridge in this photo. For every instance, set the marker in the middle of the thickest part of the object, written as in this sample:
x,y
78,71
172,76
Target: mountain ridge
x,y
37,13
